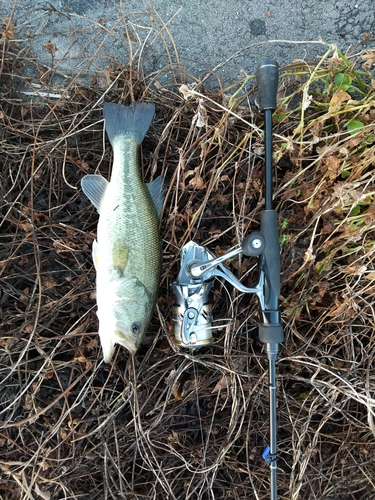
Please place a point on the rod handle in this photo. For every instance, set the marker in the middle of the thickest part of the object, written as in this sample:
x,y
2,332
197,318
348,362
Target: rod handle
x,y
267,80
268,225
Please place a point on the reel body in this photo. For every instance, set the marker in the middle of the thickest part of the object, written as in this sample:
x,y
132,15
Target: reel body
x,y
192,311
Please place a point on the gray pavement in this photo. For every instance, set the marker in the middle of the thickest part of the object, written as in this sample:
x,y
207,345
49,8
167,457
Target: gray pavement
x,y
230,36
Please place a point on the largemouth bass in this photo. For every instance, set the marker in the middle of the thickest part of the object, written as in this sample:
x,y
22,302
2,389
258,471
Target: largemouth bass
x,y
127,253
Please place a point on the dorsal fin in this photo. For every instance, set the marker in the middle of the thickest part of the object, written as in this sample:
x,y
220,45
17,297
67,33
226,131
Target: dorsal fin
x,y
157,190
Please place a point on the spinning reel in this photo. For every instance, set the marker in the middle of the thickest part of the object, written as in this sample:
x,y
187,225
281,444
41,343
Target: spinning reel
x,y
192,312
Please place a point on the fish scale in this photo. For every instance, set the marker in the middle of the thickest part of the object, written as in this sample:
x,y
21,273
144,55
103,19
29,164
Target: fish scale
x,y
131,220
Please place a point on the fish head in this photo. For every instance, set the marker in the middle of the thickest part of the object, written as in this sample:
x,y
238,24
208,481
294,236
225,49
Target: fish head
x,y
124,311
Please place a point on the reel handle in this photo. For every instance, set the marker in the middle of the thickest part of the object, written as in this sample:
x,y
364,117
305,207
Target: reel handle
x,y
267,80
253,244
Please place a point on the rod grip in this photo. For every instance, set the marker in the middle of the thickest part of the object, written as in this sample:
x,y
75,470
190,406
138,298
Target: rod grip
x,y
267,80
270,329
268,224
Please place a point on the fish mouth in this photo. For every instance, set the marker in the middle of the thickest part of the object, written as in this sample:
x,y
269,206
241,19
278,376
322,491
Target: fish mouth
x,y
116,333
129,343
116,337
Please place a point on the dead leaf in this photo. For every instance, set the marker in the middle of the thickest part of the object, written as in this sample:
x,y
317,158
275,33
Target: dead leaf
x,y
338,97
50,47
370,214
24,297
176,385
83,165
104,79
187,92
84,361
316,129
44,465
222,384
197,181
28,404
323,288
8,30
369,57
200,119
49,283
344,151
344,309
129,35
173,437
29,328
177,393
333,165
347,193
64,433
26,226
354,270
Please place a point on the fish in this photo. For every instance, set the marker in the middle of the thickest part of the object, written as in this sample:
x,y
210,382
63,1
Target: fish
x,y
127,252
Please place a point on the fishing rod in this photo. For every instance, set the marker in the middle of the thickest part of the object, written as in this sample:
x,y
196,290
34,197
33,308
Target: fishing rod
x,y
192,312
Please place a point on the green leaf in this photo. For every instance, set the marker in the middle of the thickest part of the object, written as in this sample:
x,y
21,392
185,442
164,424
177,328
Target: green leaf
x,y
344,174
277,117
322,266
284,224
342,80
355,210
354,126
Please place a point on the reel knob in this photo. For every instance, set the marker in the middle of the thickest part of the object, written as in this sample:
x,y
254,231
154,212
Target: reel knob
x,y
253,244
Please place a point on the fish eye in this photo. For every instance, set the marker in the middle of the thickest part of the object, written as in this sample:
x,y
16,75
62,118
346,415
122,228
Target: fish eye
x,y
136,328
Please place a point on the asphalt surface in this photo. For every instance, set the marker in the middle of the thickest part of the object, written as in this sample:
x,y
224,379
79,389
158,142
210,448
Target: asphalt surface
x,y
227,36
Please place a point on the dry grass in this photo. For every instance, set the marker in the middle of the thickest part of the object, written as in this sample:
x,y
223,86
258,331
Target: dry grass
x,y
170,425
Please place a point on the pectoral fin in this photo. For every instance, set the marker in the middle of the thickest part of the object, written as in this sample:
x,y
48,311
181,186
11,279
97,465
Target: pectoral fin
x,y
94,186
118,260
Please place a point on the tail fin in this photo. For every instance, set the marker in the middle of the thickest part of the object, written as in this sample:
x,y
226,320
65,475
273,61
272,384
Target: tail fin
x,y
134,120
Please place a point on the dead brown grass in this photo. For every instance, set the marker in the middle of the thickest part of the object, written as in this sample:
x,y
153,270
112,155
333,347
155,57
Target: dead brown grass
x,y
170,424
